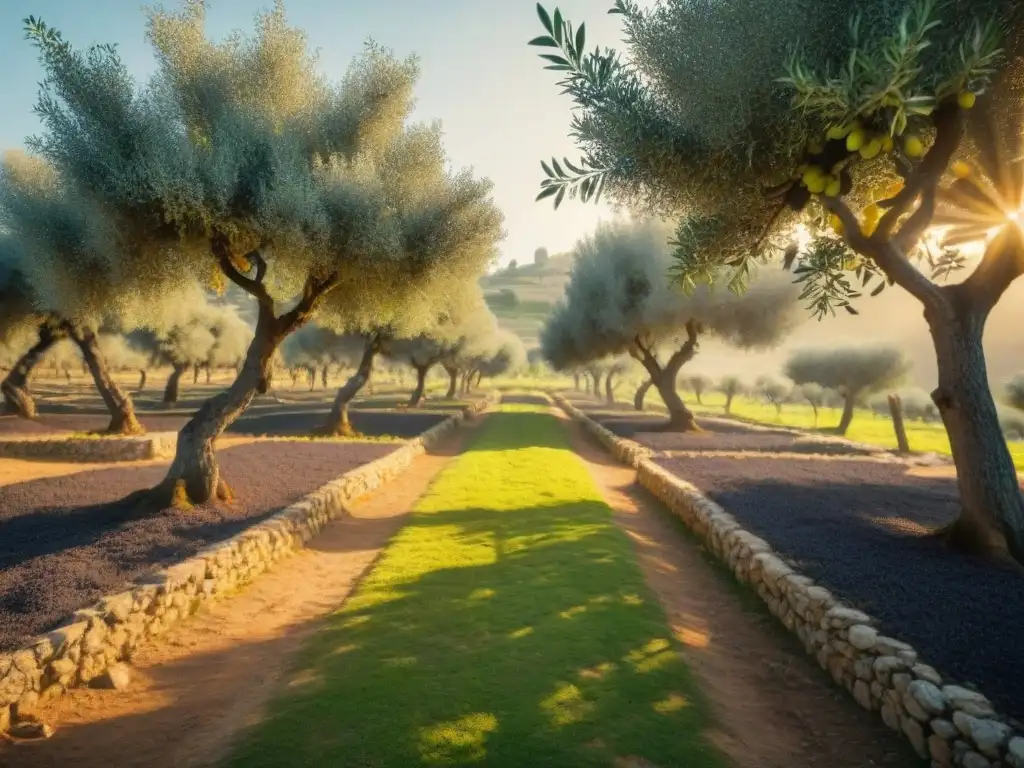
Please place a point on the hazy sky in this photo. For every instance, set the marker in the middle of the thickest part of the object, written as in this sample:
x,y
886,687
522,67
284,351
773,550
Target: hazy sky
x,y
501,111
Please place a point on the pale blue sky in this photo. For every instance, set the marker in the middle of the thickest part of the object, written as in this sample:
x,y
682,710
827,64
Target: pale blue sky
x,y
502,112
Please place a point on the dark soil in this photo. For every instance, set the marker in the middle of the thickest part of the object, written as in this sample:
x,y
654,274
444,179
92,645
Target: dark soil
x,y
304,422
64,541
719,436
860,529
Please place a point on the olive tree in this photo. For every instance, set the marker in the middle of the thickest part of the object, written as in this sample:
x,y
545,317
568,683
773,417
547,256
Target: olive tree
x,y
506,355
192,333
730,386
852,125
241,161
68,263
540,256
814,395
619,300
776,393
315,349
854,372
697,383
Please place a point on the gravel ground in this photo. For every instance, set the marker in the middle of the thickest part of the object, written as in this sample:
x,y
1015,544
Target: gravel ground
x,y
303,422
857,528
63,543
721,436
83,422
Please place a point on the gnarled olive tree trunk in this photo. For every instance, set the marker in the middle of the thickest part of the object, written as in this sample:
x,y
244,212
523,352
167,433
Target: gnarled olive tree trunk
x,y
849,404
17,398
663,378
142,379
641,393
194,474
195,373
338,423
118,402
209,373
421,384
728,403
609,389
323,376
453,381
173,387
992,512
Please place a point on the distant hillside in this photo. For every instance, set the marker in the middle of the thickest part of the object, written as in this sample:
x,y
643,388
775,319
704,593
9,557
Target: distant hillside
x,y
522,298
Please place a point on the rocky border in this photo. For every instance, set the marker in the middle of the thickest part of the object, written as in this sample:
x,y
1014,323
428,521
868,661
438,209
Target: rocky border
x,y
155,445
86,648
952,725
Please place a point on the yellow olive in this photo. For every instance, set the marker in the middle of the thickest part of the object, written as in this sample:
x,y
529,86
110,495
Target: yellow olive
x,y
966,99
913,146
855,140
871,149
832,186
960,169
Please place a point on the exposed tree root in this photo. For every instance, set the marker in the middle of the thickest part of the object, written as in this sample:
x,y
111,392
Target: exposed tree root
x,y
969,540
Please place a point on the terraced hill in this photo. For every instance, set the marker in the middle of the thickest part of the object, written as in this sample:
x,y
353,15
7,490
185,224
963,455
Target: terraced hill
x,y
522,298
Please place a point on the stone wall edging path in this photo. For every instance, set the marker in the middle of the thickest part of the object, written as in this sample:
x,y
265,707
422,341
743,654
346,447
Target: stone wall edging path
x,y
79,651
155,445
952,725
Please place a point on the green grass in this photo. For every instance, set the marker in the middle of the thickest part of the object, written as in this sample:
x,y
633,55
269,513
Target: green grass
x,y
506,625
867,427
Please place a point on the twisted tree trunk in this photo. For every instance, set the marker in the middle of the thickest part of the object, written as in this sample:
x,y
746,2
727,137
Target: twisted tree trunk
x,y
849,403
17,398
664,378
118,402
576,382
142,379
323,376
195,373
728,402
453,381
338,424
421,384
311,377
173,386
609,390
209,373
194,475
641,393
896,411
992,511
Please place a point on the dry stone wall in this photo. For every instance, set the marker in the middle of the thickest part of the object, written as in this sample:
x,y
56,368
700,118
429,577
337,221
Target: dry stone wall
x,y
96,638
948,723
158,445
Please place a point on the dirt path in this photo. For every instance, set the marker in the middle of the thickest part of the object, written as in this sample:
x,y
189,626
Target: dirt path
x,y
208,678
774,707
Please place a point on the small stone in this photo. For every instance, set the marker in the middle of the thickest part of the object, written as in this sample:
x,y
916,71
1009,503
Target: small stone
x,y
862,637
862,694
927,696
890,646
885,666
31,729
116,676
901,681
913,731
927,673
1015,752
840,616
863,670
989,735
945,729
974,760
963,698
890,717
939,749
27,706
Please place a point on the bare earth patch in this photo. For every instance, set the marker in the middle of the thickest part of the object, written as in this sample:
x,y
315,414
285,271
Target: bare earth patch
x,y
210,677
773,706
64,542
